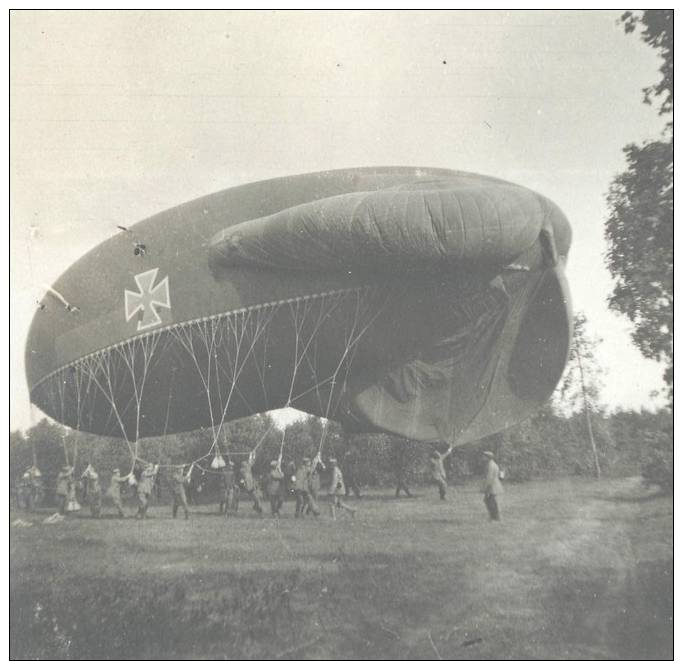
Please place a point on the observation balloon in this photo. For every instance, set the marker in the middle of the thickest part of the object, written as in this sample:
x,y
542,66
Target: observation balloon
x,y
425,302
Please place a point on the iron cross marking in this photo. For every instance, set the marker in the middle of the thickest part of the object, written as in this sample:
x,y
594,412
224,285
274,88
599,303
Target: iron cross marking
x,y
148,298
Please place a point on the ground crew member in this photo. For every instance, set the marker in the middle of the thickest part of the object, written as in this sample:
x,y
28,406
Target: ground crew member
x,y
290,479
275,487
115,491
492,486
314,486
301,487
438,471
26,491
351,464
247,483
72,504
37,486
64,478
145,487
336,491
228,502
178,482
94,491
401,482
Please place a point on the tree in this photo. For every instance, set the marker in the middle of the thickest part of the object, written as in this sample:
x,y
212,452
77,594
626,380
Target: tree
x,y
658,32
639,228
581,381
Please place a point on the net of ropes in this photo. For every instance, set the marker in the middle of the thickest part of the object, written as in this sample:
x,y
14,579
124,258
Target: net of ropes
x,y
230,357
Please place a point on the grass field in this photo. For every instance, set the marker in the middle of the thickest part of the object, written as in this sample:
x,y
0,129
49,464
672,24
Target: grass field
x,y
576,569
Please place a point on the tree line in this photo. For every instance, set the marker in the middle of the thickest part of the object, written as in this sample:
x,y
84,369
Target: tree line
x,y
550,444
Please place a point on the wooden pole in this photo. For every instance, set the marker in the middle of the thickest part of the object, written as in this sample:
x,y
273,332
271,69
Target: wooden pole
x,y
586,411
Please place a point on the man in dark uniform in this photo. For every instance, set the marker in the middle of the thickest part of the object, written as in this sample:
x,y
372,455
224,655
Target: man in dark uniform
x,y
64,479
302,486
247,483
178,481
145,488
228,502
351,468
275,487
94,491
115,491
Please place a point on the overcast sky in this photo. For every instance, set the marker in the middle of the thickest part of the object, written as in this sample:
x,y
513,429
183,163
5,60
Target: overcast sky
x,y
118,115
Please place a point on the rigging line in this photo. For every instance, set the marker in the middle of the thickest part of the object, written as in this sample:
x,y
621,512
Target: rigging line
x,y
314,364
209,347
298,322
282,445
349,363
168,403
128,354
149,345
187,342
214,432
248,405
216,340
79,376
186,339
298,328
351,341
260,368
61,391
260,330
348,337
106,373
130,363
270,426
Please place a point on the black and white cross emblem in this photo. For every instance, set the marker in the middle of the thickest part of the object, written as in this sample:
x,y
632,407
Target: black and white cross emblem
x,y
148,298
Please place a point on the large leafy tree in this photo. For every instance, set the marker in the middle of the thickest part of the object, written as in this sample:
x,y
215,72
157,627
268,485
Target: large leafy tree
x,y
639,229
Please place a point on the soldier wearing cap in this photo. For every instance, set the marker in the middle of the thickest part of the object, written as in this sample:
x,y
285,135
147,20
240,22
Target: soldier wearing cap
x,y
314,485
94,491
25,491
247,483
438,472
351,464
302,487
275,487
178,481
492,486
64,479
115,491
228,502
337,490
290,479
145,487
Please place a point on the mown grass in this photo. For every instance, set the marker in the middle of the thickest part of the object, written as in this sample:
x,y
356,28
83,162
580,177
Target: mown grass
x,y
576,569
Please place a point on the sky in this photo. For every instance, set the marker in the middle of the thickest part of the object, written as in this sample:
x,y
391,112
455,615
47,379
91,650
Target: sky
x,y
115,116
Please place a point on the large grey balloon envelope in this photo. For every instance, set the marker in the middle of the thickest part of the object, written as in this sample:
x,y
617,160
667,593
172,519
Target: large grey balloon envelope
x,y
429,303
